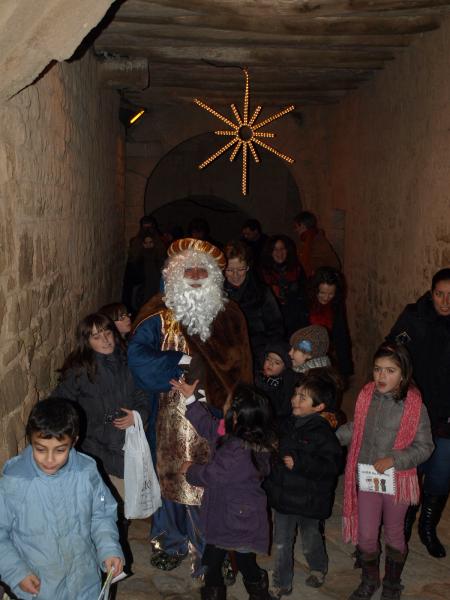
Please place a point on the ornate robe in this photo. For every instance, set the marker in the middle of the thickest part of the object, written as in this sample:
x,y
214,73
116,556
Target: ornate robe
x,y
155,349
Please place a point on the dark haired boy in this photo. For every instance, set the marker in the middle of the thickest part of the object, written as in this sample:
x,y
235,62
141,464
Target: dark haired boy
x,y
57,517
301,486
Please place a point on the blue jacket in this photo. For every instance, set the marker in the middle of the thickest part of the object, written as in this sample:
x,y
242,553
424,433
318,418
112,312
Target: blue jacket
x,y
152,368
60,527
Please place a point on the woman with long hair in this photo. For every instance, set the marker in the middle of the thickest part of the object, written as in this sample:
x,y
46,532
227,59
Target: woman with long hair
x,y
327,308
281,271
96,376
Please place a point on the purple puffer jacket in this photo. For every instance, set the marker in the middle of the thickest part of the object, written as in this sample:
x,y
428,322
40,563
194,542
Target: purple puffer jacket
x,y
234,508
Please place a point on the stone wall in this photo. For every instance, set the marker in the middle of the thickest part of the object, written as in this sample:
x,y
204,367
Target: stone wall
x,y
389,170
61,228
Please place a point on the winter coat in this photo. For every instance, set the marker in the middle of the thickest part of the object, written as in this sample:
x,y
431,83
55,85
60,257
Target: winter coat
x,y
308,489
60,527
288,287
261,311
427,337
382,424
113,388
204,421
315,251
234,508
279,391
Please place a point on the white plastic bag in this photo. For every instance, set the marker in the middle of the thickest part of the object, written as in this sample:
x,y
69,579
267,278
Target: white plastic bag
x,y
142,492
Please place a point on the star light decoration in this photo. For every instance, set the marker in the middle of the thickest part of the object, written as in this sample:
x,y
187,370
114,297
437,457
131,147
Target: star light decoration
x,y
245,133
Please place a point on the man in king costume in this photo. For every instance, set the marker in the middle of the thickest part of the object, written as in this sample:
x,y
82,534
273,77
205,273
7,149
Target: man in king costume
x,y
192,318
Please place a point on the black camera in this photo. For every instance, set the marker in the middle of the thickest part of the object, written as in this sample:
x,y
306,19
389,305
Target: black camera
x,y
112,416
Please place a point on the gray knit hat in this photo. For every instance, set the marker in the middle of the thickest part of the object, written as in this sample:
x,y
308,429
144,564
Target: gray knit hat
x,y
313,340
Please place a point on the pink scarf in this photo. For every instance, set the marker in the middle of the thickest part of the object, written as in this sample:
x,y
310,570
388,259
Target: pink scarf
x,y
407,485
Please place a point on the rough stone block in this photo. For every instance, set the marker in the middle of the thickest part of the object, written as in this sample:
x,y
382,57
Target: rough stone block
x,y
41,367
2,308
10,352
13,389
26,259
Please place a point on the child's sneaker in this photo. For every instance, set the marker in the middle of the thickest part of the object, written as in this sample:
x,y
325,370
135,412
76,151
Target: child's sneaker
x,y
315,579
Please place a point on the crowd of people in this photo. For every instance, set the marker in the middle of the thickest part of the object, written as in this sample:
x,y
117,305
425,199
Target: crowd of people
x,y
235,360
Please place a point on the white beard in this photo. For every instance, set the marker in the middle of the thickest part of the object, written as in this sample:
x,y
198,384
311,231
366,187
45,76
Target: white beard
x,y
196,308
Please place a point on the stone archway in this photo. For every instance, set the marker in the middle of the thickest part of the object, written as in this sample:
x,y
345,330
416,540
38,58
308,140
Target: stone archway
x,y
273,194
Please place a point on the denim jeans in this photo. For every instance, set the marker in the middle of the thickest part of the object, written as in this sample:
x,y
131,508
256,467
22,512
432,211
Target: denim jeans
x,y
437,469
284,537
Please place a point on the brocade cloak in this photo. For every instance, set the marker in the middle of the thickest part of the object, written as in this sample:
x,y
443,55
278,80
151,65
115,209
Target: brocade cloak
x,y
156,346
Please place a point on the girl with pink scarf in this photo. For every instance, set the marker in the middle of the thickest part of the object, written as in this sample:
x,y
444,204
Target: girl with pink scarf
x,y
390,429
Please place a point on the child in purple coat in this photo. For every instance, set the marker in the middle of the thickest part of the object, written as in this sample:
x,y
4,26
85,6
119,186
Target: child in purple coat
x,y
234,509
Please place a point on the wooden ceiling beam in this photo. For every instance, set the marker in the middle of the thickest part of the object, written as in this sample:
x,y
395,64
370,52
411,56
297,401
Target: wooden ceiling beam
x,y
302,8
343,25
258,72
361,58
234,87
185,34
176,37
398,5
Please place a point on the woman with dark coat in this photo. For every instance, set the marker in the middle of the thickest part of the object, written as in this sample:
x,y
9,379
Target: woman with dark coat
x,y
96,376
282,272
424,328
255,299
327,308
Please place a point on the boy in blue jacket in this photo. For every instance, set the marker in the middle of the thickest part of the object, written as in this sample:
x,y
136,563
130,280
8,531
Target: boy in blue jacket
x,y
57,517
301,485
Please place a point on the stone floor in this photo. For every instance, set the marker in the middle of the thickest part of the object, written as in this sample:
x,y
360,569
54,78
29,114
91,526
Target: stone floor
x,y
425,578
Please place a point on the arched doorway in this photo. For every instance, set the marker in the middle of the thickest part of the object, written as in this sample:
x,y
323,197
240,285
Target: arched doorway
x,y
214,193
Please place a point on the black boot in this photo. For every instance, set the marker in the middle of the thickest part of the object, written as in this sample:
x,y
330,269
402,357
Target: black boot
x,y
410,519
213,592
432,507
395,561
370,576
258,590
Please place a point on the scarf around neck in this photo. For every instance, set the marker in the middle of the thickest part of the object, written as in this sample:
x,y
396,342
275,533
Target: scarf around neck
x,y
312,363
407,485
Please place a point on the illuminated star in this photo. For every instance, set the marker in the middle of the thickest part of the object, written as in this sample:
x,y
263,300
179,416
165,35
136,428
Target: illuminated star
x,y
245,133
